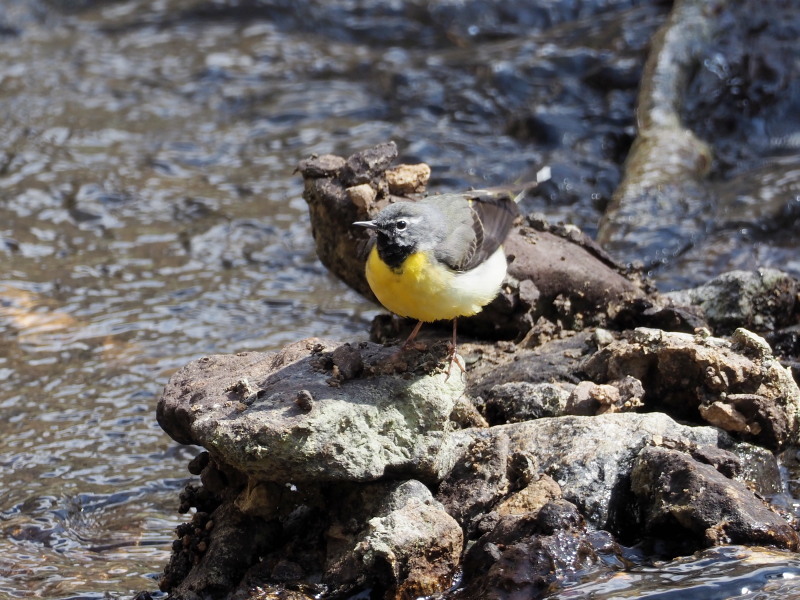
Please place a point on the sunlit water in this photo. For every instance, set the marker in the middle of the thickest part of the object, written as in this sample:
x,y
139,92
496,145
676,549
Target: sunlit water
x,y
726,573
149,215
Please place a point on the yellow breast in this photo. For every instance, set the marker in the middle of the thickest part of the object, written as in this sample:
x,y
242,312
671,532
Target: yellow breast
x,y
427,291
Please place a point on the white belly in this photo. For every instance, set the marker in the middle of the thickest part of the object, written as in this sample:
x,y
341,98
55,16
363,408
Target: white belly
x,y
472,290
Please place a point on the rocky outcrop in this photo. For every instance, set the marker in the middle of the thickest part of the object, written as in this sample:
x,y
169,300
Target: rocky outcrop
x,y
333,468
366,481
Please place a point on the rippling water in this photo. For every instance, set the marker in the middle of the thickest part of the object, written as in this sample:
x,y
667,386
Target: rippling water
x,y
725,573
149,213
143,222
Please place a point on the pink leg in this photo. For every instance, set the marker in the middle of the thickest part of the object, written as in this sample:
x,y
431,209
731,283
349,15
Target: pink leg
x,y
407,344
452,354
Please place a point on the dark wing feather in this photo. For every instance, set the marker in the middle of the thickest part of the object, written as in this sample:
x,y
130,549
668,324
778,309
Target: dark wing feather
x,y
492,217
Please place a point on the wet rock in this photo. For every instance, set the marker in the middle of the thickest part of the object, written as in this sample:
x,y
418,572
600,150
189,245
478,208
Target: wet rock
x,y
589,458
359,429
524,554
751,64
707,160
761,300
667,160
208,559
736,385
696,505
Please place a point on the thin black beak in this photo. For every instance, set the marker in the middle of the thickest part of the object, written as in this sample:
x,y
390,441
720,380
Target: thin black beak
x,y
367,224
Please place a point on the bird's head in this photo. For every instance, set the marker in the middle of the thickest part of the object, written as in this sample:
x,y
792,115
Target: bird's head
x,y
407,227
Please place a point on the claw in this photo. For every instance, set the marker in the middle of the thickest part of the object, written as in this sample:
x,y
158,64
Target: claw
x,y
454,358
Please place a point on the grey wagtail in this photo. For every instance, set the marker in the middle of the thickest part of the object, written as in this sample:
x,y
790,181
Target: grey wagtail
x,y
440,258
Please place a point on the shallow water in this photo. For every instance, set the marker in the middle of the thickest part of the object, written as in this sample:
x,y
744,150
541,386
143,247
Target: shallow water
x,y
725,573
149,213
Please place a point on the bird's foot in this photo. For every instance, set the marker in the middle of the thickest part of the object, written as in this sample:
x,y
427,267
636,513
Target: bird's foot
x,y
398,355
453,358
413,345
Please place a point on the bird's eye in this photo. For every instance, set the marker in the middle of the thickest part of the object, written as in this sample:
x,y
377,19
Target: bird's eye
x,y
400,225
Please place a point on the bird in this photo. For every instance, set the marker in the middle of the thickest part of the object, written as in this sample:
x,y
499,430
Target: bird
x,y
440,258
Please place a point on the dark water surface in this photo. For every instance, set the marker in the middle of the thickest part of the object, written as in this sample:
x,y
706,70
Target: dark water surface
x,y
149,213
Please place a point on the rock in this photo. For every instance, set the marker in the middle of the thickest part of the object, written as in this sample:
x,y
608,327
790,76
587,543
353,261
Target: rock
x,y
368,165
391,537
761,300
326,165
333,210
478,480
317,454
347,362
530,499
737,385
557,361
696,505
216,558
351,426
521,401
723,461
588,398
466,414
413,546
362,195
558,264
524,554
589,458
408,179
